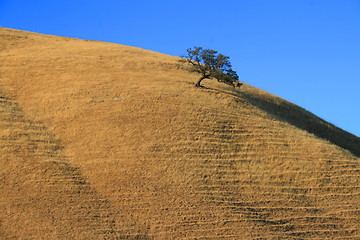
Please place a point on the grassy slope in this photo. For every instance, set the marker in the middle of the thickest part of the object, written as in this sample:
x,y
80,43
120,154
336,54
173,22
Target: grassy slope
x,y
129,139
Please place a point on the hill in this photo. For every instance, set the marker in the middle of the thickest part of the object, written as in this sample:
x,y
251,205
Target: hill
x,y
104,141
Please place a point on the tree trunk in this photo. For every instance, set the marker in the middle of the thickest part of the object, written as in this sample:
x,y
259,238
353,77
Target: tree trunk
x,y
197,84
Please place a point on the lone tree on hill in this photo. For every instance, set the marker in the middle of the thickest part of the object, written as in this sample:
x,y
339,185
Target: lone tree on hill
x,y
211,64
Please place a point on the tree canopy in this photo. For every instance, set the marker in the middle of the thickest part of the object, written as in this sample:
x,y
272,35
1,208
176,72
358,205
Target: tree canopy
x,y
210,64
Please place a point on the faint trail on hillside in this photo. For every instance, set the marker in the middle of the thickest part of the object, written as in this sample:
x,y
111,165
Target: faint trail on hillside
x,y
40,187
254,186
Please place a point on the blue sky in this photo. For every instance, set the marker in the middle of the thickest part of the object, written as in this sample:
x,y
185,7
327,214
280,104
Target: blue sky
x,y
306,51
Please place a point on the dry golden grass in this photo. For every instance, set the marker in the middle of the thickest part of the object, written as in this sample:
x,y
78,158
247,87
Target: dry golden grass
x,y
104,141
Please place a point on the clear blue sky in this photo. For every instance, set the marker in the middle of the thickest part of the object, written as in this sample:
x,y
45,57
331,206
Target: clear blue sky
x,y
306,51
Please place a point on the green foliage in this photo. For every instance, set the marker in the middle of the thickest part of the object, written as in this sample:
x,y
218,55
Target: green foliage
x,y
210,64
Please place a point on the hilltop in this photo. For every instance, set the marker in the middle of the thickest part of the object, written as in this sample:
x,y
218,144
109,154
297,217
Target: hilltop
x,y
105,141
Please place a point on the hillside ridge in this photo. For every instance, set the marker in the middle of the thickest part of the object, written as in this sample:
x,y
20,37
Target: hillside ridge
x,y
123,146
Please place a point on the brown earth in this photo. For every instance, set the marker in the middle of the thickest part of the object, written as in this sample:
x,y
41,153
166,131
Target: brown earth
x,y
104,141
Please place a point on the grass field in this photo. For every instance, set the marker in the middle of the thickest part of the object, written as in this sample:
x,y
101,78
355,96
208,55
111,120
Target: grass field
x,y
105,141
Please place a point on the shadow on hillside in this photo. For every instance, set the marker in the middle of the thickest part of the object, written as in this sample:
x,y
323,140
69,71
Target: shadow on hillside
x,y
301,118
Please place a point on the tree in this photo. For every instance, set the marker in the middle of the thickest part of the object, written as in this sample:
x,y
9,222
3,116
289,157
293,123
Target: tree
x,y
211,64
